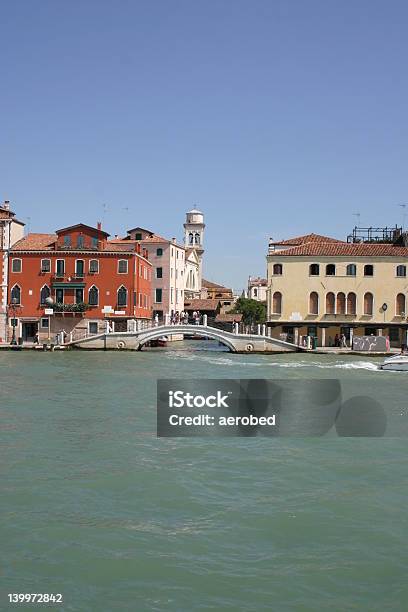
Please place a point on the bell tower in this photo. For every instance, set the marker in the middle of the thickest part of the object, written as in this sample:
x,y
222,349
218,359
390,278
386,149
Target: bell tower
x,y
194,236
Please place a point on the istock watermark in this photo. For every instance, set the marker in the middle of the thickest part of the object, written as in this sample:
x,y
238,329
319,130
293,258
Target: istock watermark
x,y
260,407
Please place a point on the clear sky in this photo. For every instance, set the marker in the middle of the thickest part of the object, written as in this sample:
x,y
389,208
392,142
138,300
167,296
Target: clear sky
x,y
276,117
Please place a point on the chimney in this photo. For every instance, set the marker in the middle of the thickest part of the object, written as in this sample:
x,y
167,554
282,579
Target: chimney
x,y
99,226
173,240
6,205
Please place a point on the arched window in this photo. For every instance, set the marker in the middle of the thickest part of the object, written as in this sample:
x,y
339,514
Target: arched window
x,y
314,269
330,270
330,303
368,303
351,270
197,238
341,303
368,270
191,238
351,304
401,270
93,296
45,293
255,292
16,295
314,303
277,269
122,296
277,303
400,305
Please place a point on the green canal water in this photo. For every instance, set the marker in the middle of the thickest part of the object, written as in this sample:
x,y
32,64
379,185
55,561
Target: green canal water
x,y
94,506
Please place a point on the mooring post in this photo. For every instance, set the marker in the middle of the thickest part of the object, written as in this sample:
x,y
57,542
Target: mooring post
x,y
205,318
264,329
258,329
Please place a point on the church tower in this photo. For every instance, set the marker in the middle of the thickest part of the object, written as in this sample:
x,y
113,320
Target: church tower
x,y
194,237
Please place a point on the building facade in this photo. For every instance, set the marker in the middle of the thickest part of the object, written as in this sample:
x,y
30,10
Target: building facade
x,y
168,265
11,230
257,288
76,281
320,286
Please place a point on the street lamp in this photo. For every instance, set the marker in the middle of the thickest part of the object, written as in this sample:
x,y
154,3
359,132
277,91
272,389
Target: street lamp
x,y
13,310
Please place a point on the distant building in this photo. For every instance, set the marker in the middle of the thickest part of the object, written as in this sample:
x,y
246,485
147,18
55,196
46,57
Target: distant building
x,y
78,281
11,230
168,267
320,286
194,241
257,288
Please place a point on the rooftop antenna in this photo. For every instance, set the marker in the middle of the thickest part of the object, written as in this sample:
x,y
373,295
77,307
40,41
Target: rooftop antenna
x,y
358,215
105,210
28,224
404,214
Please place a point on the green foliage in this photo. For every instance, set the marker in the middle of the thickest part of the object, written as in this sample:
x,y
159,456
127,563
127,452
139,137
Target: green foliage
x,y
252,311
59,307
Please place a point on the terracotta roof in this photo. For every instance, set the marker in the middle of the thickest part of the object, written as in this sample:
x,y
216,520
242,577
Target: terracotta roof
x,y
46,242
36,242
201,305
306,238
343,249
257,281
79,225
228,317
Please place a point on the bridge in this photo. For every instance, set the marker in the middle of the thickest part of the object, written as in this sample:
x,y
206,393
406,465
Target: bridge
x,y
135,340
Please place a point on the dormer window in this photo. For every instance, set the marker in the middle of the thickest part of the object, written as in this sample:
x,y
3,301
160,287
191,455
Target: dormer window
x,y
80,241
94,242
138,236
67,241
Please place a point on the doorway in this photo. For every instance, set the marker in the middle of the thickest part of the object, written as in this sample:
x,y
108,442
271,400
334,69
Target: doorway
x,y
29,329
121,325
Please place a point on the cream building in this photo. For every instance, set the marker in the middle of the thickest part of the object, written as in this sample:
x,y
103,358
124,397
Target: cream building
x,y
320,286
257,288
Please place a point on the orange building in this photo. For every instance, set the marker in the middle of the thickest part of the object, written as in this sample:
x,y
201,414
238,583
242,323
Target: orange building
x,y
78,282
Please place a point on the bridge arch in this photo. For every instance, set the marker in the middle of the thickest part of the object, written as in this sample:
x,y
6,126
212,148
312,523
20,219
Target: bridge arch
x,y
191,330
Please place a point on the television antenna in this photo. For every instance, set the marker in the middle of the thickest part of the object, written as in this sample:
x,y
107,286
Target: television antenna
x,y
404,214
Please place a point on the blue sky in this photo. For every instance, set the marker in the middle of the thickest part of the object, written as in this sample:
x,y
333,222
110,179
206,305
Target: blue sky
x,y
277,118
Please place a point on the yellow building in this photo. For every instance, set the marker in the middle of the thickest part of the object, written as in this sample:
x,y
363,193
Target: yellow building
x,y
320,286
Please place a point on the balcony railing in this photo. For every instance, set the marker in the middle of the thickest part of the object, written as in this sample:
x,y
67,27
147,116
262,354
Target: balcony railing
x,y
80,307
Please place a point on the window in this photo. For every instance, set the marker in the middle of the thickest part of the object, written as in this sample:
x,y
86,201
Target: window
x,y
330,303
197,238
191,238
351,270
44,294
122,266
400,305
94,242
59,296
368,270
351,304
46,265
93,327
255,291
67,241
16,295
394,334
277,303
80,267
80,241
159,272
341,303
60,267
401,270
122,296
159,252
45,323
158,296
277,269
138,236
94,266
368,303
16,265
314,303
314,269
79,296
93,297
330,270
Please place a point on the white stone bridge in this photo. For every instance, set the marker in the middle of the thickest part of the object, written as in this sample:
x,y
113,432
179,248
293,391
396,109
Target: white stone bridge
x,y
135,340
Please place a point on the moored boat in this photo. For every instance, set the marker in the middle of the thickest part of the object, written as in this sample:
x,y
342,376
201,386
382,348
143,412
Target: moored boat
x,y
397,363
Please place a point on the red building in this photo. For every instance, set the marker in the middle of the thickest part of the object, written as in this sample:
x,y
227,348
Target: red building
x,y
76,281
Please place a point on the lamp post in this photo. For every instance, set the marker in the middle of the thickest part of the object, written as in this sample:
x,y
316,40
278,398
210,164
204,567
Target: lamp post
x,y
13,310
50,302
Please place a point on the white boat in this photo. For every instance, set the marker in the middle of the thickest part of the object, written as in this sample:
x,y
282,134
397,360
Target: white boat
x,y
397,363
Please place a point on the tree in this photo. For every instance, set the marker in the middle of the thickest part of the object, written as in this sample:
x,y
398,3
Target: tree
x,y
252,311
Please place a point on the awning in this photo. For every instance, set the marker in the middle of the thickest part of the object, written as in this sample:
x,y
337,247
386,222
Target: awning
x,y
68,285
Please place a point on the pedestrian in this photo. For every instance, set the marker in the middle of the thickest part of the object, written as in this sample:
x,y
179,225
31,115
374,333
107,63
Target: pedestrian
x,y
336,340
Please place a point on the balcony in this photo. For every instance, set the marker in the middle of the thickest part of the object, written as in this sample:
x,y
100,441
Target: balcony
x,y
58,307
65,281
